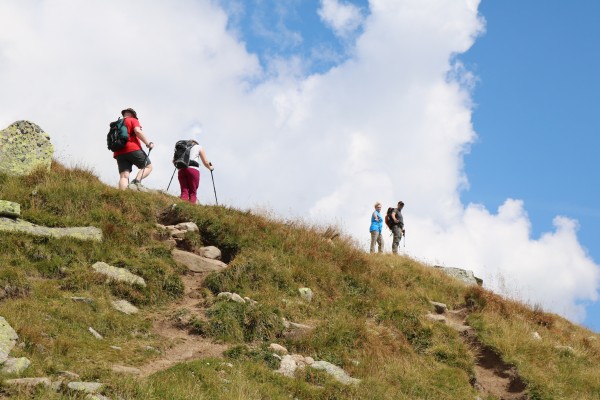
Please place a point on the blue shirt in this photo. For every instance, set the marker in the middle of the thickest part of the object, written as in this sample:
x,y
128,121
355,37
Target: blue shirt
x,y
376,225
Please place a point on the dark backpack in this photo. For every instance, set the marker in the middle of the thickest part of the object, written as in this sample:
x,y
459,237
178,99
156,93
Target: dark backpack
x,y
181,155
389,221
117,135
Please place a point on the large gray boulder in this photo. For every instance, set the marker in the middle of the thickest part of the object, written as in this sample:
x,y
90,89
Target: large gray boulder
x,y
24,146
464,275
8,339
195,263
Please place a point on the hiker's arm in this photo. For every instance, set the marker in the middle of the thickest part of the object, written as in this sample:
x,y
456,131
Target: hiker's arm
x,y
205,161
140,134
375,215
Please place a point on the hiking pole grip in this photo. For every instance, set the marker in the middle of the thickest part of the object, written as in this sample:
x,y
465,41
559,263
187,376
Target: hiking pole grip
x,y
145,164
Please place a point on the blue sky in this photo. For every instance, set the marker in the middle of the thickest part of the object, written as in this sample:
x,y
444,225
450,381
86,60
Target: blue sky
x,y
538,101
478,115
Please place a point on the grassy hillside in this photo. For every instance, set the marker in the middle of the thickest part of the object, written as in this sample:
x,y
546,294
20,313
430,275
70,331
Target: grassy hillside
x,y
368,311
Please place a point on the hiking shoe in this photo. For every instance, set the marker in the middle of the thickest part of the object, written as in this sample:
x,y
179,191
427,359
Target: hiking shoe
x,y
135,182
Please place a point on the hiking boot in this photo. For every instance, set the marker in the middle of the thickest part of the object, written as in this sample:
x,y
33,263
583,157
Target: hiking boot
x,y
135,182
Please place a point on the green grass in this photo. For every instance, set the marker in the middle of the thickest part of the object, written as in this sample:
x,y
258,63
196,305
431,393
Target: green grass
x,y
368,311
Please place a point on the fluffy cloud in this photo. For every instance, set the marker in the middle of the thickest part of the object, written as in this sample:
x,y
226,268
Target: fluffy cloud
x,y
392,122
343,18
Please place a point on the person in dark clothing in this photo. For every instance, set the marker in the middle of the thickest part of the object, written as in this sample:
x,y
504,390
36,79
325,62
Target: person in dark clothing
x,y
397,226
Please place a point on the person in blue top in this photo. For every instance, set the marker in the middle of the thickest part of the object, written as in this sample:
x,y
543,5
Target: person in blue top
x,y
376,227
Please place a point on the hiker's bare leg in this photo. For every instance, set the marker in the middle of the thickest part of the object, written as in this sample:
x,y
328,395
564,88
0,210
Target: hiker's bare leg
x,y
123,180
146,172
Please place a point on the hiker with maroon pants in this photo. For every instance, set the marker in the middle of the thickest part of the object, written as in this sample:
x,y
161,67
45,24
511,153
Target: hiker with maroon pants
x,y
189,177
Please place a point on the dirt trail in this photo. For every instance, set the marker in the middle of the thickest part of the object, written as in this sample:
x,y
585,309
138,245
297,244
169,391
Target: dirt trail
x,y
493,377
183,345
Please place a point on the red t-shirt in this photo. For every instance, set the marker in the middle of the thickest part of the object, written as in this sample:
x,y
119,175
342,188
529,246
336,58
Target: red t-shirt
x,y
133,143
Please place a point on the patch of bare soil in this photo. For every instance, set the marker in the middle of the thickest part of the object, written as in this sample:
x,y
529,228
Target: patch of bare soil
x,y
183,346
493,377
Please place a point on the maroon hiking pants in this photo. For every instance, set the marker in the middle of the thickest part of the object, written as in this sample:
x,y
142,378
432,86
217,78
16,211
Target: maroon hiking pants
x,y
189,180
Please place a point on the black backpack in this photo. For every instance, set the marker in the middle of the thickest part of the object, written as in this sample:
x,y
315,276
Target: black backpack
x,y
117,135
181,155
389,221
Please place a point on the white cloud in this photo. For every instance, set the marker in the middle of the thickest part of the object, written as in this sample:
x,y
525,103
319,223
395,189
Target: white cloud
x,y
392,122
343,18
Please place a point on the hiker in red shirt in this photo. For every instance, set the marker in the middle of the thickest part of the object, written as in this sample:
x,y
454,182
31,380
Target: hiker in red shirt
x,y
132,153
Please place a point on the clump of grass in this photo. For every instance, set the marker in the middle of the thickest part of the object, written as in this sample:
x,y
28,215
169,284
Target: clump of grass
x,y
13,283
241,322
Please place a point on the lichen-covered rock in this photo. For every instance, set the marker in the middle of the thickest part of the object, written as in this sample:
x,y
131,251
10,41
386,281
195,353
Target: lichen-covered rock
x,y
16,365
9,209
8,339
86,387
336,372
306,293
24,146
118,274
19,225
125,307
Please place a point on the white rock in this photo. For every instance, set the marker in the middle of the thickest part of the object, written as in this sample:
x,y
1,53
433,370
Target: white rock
x,y
336,372
118,274
187,227
237,298
211,252
287,367
306,293
86,387
8,339
96,334
16,365
125,307
277,348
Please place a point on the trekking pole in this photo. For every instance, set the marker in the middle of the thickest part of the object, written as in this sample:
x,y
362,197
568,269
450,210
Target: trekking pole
x,y
213,181
145,165
171,179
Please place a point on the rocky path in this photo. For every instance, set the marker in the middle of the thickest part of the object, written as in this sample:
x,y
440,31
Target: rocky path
x,y
184,346
493,377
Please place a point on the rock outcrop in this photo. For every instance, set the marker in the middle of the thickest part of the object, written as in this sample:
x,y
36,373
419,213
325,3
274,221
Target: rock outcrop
x,y
464,275
118,274
19,225
24,146
10,209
